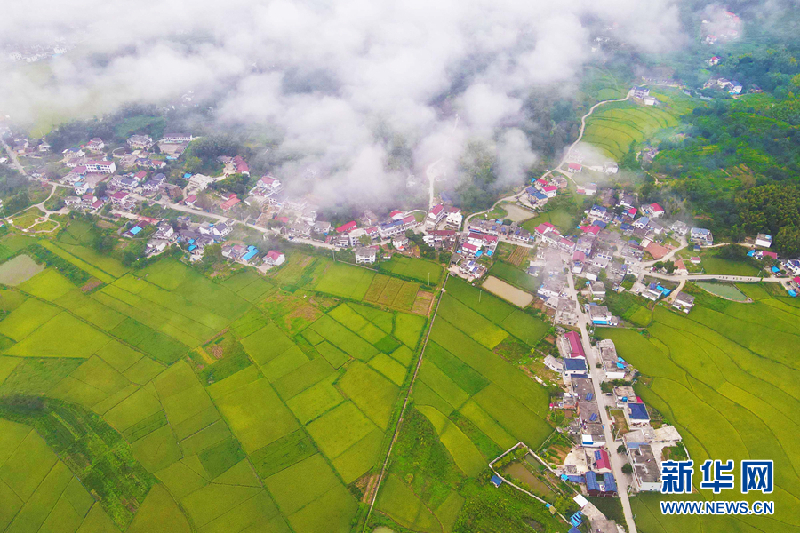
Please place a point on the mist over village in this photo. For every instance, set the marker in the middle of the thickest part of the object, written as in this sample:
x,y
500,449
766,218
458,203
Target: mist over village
x,y
385,267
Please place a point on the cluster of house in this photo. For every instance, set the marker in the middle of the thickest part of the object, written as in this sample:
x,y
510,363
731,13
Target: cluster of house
x,y
589,463
194,238
642,95
732,86
726,26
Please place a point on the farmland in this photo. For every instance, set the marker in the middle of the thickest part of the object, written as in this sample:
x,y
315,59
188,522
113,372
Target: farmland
x,y
162,400
725,375
469,405
613,127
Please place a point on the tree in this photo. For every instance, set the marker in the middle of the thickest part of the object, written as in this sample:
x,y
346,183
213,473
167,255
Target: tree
x,y
365,240
627,468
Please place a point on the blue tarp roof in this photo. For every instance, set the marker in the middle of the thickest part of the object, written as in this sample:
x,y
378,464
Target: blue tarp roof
x,y
489,253
192,247
638,411
591,481
793,293
249,255
751,253
776,269
496,480
135,230
479,253
599,224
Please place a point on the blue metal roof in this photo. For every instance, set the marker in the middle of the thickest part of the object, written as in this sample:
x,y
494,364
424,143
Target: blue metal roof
x,y
574,364
249,255
637,411
135,230
496,480
599,224
192,247
608,481
591,481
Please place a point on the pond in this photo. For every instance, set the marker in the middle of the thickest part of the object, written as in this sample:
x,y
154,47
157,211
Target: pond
x,y
537,486
21,268
723,290
507,291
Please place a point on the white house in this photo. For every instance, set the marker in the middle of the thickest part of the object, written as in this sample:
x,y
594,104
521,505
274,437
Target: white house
x,y
366,255
646,468
454,217
683,301
274,258
702,236
764,240
435,215
106,167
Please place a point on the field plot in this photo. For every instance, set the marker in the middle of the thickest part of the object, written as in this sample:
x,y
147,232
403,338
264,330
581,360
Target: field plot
x,y
392,292
416,269
177,403
469,404
345,281
614,126
732,358
515,276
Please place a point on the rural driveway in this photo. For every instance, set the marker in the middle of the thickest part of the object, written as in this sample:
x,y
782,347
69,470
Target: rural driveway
x,y
594,372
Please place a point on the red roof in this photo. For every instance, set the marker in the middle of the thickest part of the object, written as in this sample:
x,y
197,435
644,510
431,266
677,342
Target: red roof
x,y
274,254
594,230
574,166
542,181
576,348
551,188
773,255
80,169
656,208
393,214
603,462
191,199
797,279
490,238
266,180
241,166
230,202
577,255
372,229
140,175
409,218
566,241
437,209
631,211
469,247
347,227
544,227
119,195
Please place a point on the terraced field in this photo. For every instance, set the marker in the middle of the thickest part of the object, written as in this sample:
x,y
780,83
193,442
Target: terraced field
x,y
164,401
726,376
613,127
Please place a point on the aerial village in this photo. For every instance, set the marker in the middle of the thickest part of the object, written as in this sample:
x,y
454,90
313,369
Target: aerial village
x,y
622,243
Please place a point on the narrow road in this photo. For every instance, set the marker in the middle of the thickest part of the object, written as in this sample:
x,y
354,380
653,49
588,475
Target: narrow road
x,y
594,373
567,153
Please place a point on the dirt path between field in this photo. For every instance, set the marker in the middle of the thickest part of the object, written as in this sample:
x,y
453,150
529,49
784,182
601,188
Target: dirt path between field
x,y
399,424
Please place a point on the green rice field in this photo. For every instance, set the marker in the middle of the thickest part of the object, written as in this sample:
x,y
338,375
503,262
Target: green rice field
x,y
469,405
165,401
614,126
725,375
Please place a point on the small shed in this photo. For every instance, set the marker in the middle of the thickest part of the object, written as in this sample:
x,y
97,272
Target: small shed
x,y
496,481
